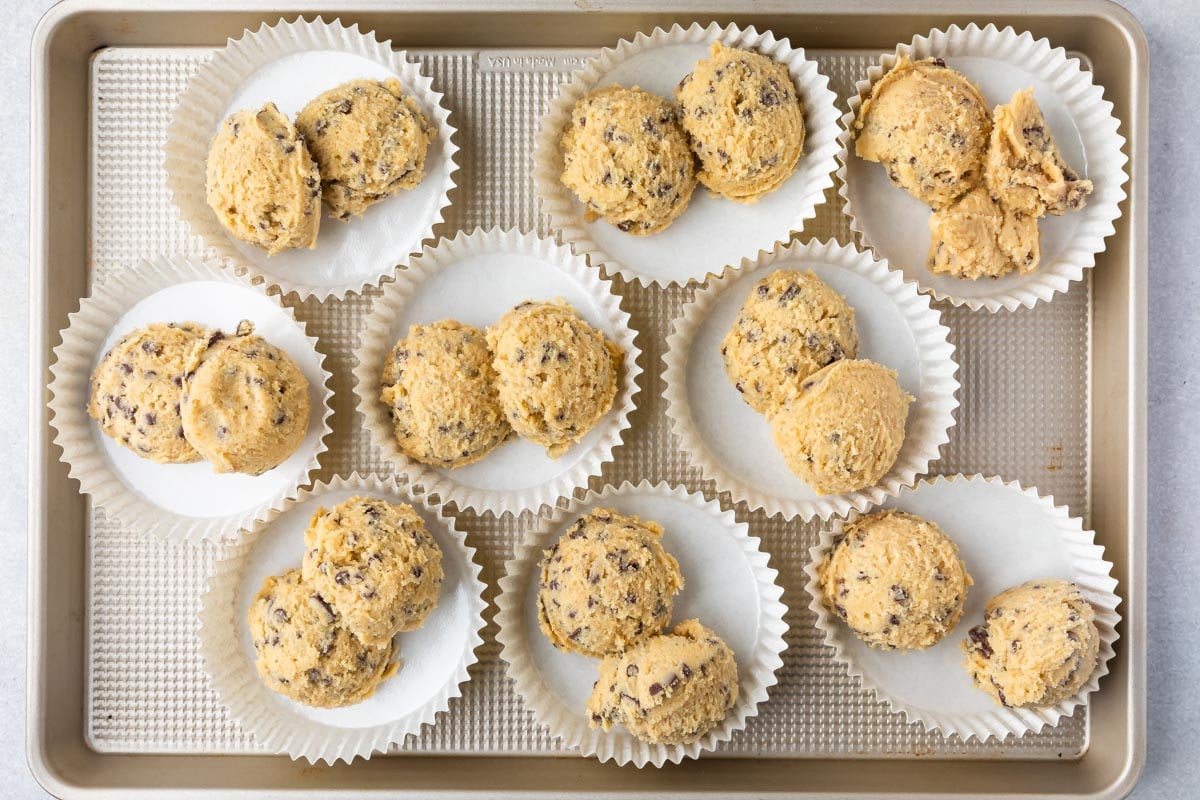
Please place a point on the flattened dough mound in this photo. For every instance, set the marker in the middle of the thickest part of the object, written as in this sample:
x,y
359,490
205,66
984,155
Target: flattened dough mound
x,y
791,325
304,653
262,183
668,689
845,430
896,580
557,374
439,387
606,584
1038,644
977,237
377,565
369,140
928,126
743,116
137,388
627,159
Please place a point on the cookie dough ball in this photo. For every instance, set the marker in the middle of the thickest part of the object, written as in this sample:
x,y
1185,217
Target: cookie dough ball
x,y
440,390
606,584
977,237
1037,646
928,126
790,326
627,160
303,652
1024,168
896,580
668,689
369,141
137,388
743,116
844,431
376,563
245,403
557,374
262,183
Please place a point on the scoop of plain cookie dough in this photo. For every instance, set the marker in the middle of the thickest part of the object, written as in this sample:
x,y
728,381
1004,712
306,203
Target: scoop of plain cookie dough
x,y
791,324
1024,169
137,388
377,565
245,403
744,120
262,183
303,652
928,126
439,386
976,237
845,430
557,374
668,689
627,160
369,140
606,584
896,580
1038,644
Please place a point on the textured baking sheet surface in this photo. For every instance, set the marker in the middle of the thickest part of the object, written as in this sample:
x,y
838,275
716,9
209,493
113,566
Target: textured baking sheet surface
x,y
1023,416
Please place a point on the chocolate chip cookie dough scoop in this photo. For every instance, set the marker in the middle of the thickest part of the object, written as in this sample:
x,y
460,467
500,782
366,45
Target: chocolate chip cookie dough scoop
x,y
612,166
171,422
641,624
329,121
359,654
984,164
988,590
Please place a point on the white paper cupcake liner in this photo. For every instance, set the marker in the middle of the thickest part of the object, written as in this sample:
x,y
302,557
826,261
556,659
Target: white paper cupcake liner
x,y
730,588
434,659
182,502
1006,535
731,443
895,225
712,232
476,278
290,63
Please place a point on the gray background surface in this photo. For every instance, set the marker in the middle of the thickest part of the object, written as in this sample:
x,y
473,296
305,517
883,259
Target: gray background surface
x,y
1172,769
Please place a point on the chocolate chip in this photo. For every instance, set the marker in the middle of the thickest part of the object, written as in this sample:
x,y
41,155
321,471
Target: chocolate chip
x,y
126,369
281,615
655,688
899,594
789,294
343,107
625,226
151,418
354,157
979,635
767,98
222,431
341,578
417,572
686,670
282,418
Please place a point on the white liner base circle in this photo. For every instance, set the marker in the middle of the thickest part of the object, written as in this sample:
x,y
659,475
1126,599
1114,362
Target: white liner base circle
x,y
476,278
712,232
731,443
1006,536
895,225
290,64
729,587
433,660
180,501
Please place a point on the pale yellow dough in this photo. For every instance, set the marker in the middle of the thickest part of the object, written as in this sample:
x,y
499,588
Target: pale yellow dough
x,y
977,237
439,387
791,324
627,159
1038,644
744,120
845,430
369,140
137,388
606,584
928,126
262,183
377,565
896,580
1024,169
304,653
557,374
668,689
245,403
